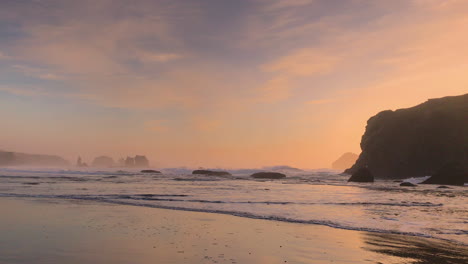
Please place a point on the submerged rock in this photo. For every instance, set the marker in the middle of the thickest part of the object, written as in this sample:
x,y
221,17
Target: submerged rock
x,y
417,141
150,171
362,175
408,184
443,187
211,173
268,175
450,174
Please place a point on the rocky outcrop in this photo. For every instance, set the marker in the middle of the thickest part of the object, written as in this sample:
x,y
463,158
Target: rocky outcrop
x,y
80,163
150,171
408,184
362,175
450,174
141,161
268,175
211,172
103,162
130,162
345,161
8,158
417,141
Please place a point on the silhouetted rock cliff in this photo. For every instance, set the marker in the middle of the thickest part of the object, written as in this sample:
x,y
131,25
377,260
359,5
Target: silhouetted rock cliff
x,y
362,175
450,174
416,141
21,159
345,161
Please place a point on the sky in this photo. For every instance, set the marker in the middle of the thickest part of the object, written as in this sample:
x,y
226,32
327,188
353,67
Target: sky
x,y
220,83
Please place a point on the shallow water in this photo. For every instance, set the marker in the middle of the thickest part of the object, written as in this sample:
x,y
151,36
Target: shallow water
x,y
311,197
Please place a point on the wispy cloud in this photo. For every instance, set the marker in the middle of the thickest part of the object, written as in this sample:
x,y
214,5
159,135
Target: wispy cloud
x,y
3,56
303,62
237,67
39,73
156,125
321,101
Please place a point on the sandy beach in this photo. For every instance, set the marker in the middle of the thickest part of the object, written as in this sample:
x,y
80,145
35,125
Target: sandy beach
x,y
73,231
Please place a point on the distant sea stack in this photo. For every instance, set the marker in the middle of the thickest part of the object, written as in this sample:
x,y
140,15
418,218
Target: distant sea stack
x,y
416,141
141,161
135,162
8,158
345,161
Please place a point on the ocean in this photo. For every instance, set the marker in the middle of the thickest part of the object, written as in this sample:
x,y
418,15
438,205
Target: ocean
x,y
320,197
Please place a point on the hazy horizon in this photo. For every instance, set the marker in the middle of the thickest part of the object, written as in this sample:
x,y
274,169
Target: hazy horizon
x,y
232,84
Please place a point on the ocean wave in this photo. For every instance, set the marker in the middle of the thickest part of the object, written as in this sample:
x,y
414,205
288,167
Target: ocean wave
x,y
329,223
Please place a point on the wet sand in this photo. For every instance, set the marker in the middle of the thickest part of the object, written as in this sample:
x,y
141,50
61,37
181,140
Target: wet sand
x,y
71,231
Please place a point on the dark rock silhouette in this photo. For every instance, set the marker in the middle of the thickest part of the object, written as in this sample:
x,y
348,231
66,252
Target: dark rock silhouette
x,y
408,184
345,161
268,175
103,162
8,158
211,173
417,141
150,171
362,175
80,163
141,161
450,174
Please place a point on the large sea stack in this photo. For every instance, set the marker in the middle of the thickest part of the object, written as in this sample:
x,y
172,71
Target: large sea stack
x,y
416,141
8,158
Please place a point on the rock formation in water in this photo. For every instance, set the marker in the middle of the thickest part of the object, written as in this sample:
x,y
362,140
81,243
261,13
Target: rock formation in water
x,y
129,162
416,141
211,172
408,184
345,161
362,175
103,162
134,162
8,158
150,171
141,161
450,174
268,175
80,163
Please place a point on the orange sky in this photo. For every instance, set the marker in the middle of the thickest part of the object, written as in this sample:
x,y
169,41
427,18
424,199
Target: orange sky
x,y
218,83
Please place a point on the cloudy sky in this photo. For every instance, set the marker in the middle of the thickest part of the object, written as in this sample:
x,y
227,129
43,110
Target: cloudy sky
x,y
228,83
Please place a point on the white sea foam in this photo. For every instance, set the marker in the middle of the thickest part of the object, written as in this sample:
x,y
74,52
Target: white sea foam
x,y
310,197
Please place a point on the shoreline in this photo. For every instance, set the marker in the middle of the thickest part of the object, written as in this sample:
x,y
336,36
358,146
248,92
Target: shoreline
x,y
247,216
48,230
